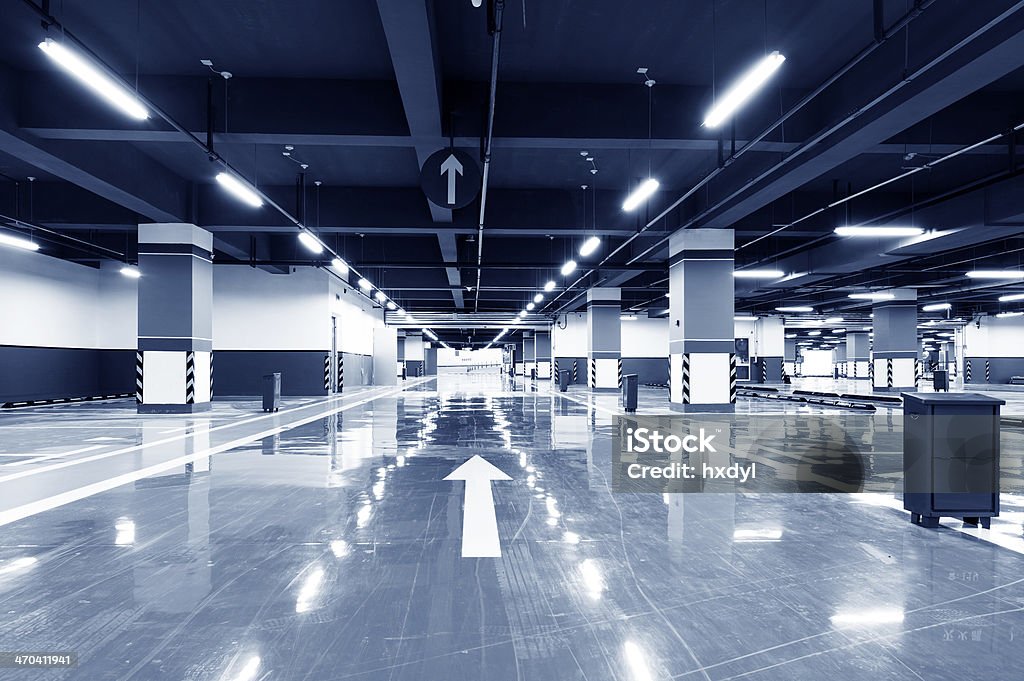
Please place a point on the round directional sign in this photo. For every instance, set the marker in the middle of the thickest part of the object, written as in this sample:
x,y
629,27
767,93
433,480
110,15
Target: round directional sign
x,y
450,178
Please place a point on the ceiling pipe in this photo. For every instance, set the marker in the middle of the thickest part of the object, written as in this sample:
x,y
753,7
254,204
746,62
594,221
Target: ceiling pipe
x,y
49,20
901,23
495,25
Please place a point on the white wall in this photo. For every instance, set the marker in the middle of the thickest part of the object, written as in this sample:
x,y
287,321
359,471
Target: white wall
x,y
645,337
54,303
447,358
996,338
572,340
256,310
357,317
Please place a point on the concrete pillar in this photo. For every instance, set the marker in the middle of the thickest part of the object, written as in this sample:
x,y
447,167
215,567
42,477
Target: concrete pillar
x,y
790,356
839,359
769,347
858,354
701,305
413,353
895,349
401,354
175,319
604,339
542,349
430,361
385,356
529,353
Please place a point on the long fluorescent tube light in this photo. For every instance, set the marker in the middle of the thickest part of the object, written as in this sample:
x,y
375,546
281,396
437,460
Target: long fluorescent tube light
x,y
872,296
758,274
814,333
640,194
340,266
1012,296
240,190
93,78
379,295
748,84
550,286
568,268
744,319
365,285
627,318
530,306
996,274
131,272
869,231
430,334
794,308
538,298
311,243
17,242
589,246
522,314
391,305
936,307
1003,315
834,320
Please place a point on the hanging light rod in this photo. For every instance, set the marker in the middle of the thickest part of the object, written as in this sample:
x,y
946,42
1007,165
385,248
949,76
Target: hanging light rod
x,y
590,245
880,231
92,76
743,89
640,194
241,190
758,274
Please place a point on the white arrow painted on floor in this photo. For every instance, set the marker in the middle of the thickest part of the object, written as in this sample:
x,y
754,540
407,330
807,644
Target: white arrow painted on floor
x,y
479,522
451,166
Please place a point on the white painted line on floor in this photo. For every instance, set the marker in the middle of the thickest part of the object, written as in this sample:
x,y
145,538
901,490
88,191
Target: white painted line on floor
x,y
133,448
57,455
50,503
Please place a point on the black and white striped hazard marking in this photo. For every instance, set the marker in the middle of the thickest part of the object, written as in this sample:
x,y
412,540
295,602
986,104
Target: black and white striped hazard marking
x,y
917,373
592,380
686,378
138,377
211,375
341,371
967,371
871,370
575,372
327,372
988,371
190,377
888,372
782,370
620,372
732,377
764,371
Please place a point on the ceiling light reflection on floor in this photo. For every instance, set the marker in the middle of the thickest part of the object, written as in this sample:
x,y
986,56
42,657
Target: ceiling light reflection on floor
x,y
867,618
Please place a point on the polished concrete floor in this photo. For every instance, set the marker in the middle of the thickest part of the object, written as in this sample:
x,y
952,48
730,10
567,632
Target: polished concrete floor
x,y
324,543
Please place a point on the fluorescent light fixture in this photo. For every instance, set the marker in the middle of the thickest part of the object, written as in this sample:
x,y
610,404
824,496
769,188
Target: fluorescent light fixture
x,y
838,330
748,84
590,245
937,307
834,320
814,333
1004,315
1012,296
379,295
522,314
17,242
640,194
539,297
790,335
93,77
131,272
741,318
401,312
530,306
311,243
872,296
758,274
627,318
568,268
869,231
794,308
240,190
860,618
430,334
550,286
391,306
996,274
340,266
365,285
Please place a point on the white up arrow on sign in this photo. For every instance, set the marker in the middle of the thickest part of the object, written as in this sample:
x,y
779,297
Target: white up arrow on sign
x,y
479,523
451,166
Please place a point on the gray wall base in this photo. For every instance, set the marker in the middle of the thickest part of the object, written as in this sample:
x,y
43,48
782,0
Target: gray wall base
x,y
173,408
37,373
239,373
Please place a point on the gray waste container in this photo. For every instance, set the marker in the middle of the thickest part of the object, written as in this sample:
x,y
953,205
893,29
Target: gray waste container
x,y
272,392
951,457
940,380
630,386
563,380
533,374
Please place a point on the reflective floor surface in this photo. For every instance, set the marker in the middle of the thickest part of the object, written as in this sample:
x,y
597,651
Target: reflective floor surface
x,y
329,548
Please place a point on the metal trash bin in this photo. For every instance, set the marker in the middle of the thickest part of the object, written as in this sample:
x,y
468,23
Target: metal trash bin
x,y
940,380
272,392
630,386
563,380
951,457
533,374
